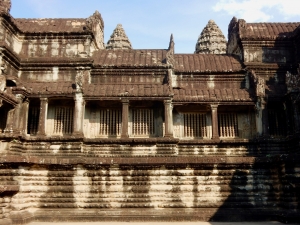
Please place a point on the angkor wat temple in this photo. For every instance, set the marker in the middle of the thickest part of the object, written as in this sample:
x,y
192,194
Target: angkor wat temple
x,y
104,132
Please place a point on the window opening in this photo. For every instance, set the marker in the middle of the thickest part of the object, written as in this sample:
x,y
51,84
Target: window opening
x,y
195,125
143,122
228,125
33,120
277,126
63,120
110,122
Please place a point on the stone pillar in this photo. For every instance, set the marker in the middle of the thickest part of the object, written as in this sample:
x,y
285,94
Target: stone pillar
x,y
17,114
43,116
259,107
168,118
24,118
125,116
10,121
79,114
214,121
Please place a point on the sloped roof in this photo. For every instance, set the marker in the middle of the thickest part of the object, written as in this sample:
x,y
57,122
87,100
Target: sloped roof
x,y
129,57
129,90
206,63
51,25
198,95
268,30
50,87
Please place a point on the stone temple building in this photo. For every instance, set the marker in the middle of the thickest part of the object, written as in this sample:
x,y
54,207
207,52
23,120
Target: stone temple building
x,y
101,132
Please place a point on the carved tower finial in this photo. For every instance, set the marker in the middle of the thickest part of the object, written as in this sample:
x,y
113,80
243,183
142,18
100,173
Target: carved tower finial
x,y
170,60
171,44
211,40
96,25
5,5
118,39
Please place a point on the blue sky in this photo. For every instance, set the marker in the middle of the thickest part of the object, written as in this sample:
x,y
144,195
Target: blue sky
x,y
149,24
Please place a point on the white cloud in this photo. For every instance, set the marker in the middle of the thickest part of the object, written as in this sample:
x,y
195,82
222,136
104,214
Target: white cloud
x,y
258,10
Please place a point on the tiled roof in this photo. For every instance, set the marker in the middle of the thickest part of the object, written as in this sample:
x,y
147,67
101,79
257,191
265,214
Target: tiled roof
x,y
51,25
269,30
50,87
198,95
206,63
130,90
128,57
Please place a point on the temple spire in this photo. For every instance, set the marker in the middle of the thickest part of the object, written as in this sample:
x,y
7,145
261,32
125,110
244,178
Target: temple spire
x,y
118,39
211,40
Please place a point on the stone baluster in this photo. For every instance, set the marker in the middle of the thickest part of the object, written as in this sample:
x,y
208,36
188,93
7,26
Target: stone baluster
x,y
214,121
125,116
168,118
79,114
43,116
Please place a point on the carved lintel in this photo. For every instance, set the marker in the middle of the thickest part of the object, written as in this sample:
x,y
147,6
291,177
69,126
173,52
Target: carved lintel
x,y
79,80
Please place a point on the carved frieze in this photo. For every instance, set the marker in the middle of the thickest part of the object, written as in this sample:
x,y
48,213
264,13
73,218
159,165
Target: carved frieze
x,y
252,55
79,80
259,83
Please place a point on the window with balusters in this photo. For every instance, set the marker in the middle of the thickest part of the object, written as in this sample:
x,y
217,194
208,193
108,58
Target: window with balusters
x,y
228,125
142,122
110,122
277,122
194,125
102,122
33,120
60,120
3,118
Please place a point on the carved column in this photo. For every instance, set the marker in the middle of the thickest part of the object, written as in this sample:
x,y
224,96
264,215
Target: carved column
x,y
17,122
43,116
125,116
24,118
79,114
259,107
214,121
10,121
168,118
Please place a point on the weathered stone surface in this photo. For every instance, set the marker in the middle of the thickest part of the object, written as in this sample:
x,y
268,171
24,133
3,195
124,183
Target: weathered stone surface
x,y
5,5
211,40
95,134
118,39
